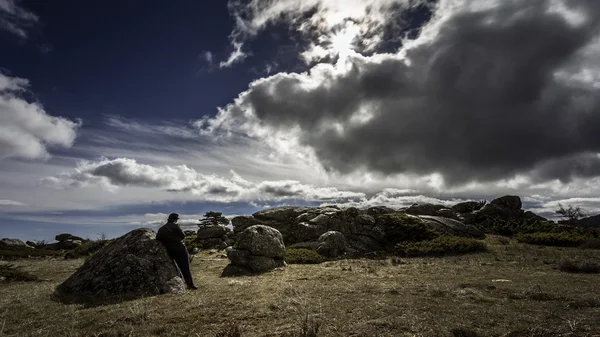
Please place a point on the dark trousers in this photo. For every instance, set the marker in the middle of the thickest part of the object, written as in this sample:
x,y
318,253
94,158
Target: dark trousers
x,y
182,259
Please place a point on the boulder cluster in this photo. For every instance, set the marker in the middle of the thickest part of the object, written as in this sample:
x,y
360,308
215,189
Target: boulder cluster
x,y
137,265
213,237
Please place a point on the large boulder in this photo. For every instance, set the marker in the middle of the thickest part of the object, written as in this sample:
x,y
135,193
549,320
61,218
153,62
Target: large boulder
x,y
261,240
508,201
258,249
452,227
7,243
332,244
133,265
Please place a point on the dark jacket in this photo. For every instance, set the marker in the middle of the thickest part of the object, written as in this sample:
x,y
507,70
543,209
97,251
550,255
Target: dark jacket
x,y
171,236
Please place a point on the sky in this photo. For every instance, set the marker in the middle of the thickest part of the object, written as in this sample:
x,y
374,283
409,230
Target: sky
x,y
114,114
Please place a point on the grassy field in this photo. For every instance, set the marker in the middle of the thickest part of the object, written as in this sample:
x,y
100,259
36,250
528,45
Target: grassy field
x,y
513,289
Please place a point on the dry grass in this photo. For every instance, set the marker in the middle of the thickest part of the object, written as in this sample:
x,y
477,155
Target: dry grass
x,y
510,290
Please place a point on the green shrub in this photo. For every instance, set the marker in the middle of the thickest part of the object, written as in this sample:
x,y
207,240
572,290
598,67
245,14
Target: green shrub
x,y
580,267
512,227
592,244
9,273
24,252
302,256
400,227
440,246
560,239
191,242
87,249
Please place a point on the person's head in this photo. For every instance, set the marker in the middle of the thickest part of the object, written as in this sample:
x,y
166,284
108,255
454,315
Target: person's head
x,y
173,217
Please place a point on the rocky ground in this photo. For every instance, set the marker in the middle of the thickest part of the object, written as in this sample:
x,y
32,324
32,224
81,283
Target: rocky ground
x,y
513,289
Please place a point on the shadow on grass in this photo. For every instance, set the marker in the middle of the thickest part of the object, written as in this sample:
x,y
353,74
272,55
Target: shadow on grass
x,y
92,301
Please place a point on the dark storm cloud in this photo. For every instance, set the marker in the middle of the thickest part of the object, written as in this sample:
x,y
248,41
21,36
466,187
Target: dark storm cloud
x,y
480,100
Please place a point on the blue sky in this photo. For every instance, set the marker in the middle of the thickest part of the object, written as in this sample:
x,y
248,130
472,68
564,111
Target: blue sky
x,y
114,114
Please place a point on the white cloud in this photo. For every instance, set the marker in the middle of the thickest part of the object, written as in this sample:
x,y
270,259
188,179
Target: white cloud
x,y
16,19
462,104
330,27
113,174
11,203
26,130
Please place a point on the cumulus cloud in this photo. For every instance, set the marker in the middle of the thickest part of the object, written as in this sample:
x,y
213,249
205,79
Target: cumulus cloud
x,y
327,27
26,130
122,172
489,91
16,19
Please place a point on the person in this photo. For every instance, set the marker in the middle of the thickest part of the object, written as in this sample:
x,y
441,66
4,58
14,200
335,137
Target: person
x,y
171,236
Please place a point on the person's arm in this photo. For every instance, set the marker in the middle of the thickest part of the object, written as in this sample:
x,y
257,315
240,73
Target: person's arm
x,y
177,230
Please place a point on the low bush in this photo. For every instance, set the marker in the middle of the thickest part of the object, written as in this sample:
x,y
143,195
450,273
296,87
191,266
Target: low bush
x,y
302,256
586,267
512,227
440,246
10,273
191,242
592,244
87,249
559,239
24,252
400,227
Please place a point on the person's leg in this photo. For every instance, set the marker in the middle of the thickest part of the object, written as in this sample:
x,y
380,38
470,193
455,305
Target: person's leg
x,y
183,262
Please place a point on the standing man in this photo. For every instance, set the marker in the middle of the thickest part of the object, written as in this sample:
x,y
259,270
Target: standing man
x,y
172,237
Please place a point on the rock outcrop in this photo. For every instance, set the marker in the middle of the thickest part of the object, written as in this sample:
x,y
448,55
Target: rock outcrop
x,y
452,227
258,249
133,265
7,243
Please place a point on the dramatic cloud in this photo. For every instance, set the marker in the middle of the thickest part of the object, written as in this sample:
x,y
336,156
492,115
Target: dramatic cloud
x,y
328,27
122,172
26,130
16,19
489,91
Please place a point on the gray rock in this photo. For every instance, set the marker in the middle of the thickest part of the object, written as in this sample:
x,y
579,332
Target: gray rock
x,y
261,240
380,210
332,244
508,201
467,207
210,232
66,236
13,243
280,213
309,231
446,213
240,223
425,209
258,249
134,265
261,264
451,227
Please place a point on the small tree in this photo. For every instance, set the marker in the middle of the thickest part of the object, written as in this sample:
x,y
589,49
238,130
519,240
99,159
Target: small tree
x,y
570,215
214,219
